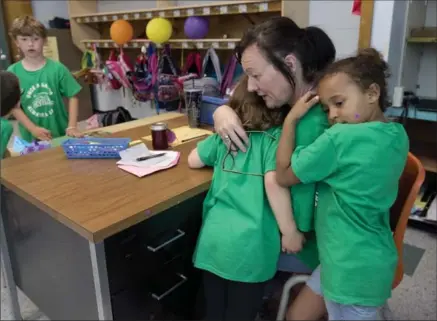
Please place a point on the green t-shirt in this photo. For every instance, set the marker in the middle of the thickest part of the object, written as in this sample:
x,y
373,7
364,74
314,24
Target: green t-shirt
x,y
42,93
309,128
239,239
6,129
358,167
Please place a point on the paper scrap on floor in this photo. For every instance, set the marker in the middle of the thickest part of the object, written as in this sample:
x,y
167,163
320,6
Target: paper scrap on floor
x,y
183,134
130,164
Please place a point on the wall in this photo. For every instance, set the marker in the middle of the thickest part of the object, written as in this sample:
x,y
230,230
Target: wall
x,y
45,10
427,73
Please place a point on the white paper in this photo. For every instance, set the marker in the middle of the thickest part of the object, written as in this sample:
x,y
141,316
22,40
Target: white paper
x,y
134,152
130,155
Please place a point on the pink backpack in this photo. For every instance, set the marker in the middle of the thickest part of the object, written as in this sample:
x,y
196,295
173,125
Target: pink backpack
x,y
120,68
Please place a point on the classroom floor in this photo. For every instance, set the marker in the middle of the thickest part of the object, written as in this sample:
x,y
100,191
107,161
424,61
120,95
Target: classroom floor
x,y
414,299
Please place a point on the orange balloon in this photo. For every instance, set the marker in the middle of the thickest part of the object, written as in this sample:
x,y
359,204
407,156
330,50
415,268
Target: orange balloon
x,y
121,32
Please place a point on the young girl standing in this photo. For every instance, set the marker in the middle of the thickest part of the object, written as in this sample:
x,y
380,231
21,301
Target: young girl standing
x,y
239,242
357,164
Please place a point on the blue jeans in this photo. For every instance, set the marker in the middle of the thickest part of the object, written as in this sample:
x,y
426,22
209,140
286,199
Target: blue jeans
x,y
337,311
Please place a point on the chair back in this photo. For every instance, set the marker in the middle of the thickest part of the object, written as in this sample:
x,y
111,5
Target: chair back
x,y
409,185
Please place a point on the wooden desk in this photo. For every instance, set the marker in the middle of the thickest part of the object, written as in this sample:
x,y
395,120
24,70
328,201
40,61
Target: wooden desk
x,y
68,223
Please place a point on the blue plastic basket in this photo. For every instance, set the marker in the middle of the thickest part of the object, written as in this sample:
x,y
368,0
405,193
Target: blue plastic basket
x,y
93,147
208,107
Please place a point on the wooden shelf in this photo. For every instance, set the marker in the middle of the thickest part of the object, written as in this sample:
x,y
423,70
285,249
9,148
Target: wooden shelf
x,y
227,44
423,35
210,9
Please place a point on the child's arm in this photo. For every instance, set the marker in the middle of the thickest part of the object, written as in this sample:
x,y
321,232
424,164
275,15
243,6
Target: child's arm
x,y
73,111
69,87
194,160
38,132
286,175
205,154
280,201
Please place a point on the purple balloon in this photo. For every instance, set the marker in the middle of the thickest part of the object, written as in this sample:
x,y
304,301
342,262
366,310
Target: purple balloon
x,y
196,27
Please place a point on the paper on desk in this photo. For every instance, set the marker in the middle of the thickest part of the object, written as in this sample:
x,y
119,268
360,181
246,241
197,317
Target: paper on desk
x,y
129,163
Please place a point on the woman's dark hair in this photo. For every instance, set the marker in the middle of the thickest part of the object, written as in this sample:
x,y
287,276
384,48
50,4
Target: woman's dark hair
x,y
281,36
366,68
252,110
9,92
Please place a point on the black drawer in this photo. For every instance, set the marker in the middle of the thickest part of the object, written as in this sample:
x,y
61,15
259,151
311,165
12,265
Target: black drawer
x,y
143,250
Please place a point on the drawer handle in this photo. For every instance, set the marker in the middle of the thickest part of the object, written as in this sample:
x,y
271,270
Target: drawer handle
x,y
174,287
155,249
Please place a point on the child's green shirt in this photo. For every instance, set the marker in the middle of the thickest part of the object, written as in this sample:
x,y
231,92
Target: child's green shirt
x,y
6,130
239,239
357,167
42,93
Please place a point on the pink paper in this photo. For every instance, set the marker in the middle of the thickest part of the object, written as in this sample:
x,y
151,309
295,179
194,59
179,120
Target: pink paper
x,y
144,171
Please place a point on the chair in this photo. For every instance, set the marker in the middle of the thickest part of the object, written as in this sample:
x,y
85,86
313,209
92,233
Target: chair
x,y
409,185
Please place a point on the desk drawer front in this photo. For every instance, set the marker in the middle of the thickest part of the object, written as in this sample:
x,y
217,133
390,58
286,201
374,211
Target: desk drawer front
x,y
143,251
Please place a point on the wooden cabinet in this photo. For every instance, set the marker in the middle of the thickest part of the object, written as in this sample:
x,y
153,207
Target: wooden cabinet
x,y
150,269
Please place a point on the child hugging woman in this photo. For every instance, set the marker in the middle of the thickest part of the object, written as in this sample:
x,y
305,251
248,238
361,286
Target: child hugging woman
x,y
356,164
240,242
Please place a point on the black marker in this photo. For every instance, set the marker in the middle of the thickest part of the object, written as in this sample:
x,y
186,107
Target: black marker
x,y
140,159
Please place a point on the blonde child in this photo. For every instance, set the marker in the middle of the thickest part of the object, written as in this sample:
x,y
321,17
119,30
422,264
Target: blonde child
x,y
10,100
43,83
357,164
239,242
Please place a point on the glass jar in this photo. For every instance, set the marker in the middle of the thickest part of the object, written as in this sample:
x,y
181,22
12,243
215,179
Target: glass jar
x,y
159,136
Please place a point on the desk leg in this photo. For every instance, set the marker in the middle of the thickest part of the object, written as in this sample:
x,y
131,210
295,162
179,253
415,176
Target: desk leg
x,y
7,274
101,283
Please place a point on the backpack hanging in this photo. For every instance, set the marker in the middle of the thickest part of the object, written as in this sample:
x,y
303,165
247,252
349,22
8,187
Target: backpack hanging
x,y
142,80
193,64
113,82
232,72
211,73
169,91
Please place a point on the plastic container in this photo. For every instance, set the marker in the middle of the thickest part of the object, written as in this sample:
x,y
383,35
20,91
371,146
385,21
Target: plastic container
x,y
93,147
208,107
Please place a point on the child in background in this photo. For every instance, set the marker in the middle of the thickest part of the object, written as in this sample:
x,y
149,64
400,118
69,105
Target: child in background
x,y
43,83
10,100
239,242
357,164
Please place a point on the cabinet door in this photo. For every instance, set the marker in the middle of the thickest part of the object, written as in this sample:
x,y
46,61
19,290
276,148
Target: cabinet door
x,y
416,14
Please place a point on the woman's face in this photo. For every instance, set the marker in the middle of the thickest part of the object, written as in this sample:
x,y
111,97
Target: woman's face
x,y
265,79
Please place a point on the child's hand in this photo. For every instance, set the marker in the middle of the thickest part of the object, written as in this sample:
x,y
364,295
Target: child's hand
x,y
73,132
41,133
292,242
302,106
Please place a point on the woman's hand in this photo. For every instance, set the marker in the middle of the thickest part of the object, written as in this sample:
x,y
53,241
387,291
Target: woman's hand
x,y
229,127
292,241
302,106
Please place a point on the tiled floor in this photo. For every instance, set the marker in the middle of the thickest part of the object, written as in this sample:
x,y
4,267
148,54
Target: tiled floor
x,y
414,299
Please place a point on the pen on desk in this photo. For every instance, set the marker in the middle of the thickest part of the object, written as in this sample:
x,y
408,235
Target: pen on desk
x,y
192,138
139,159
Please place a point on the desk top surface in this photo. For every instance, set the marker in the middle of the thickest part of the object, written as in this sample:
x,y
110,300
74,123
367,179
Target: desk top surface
x,y
94,197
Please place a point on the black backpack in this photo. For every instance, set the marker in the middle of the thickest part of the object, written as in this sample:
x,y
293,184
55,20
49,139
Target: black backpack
x,y
113,117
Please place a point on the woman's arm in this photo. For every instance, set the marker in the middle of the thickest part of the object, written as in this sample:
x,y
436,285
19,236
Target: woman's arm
x,y
229,127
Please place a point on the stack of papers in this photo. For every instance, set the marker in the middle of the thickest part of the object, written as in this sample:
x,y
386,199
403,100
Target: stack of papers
x,y
129,162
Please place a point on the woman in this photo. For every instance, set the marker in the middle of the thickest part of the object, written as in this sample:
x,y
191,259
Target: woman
x,y
282,62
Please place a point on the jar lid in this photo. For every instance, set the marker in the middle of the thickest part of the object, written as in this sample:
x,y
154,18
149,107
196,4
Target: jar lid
x,y
159,126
